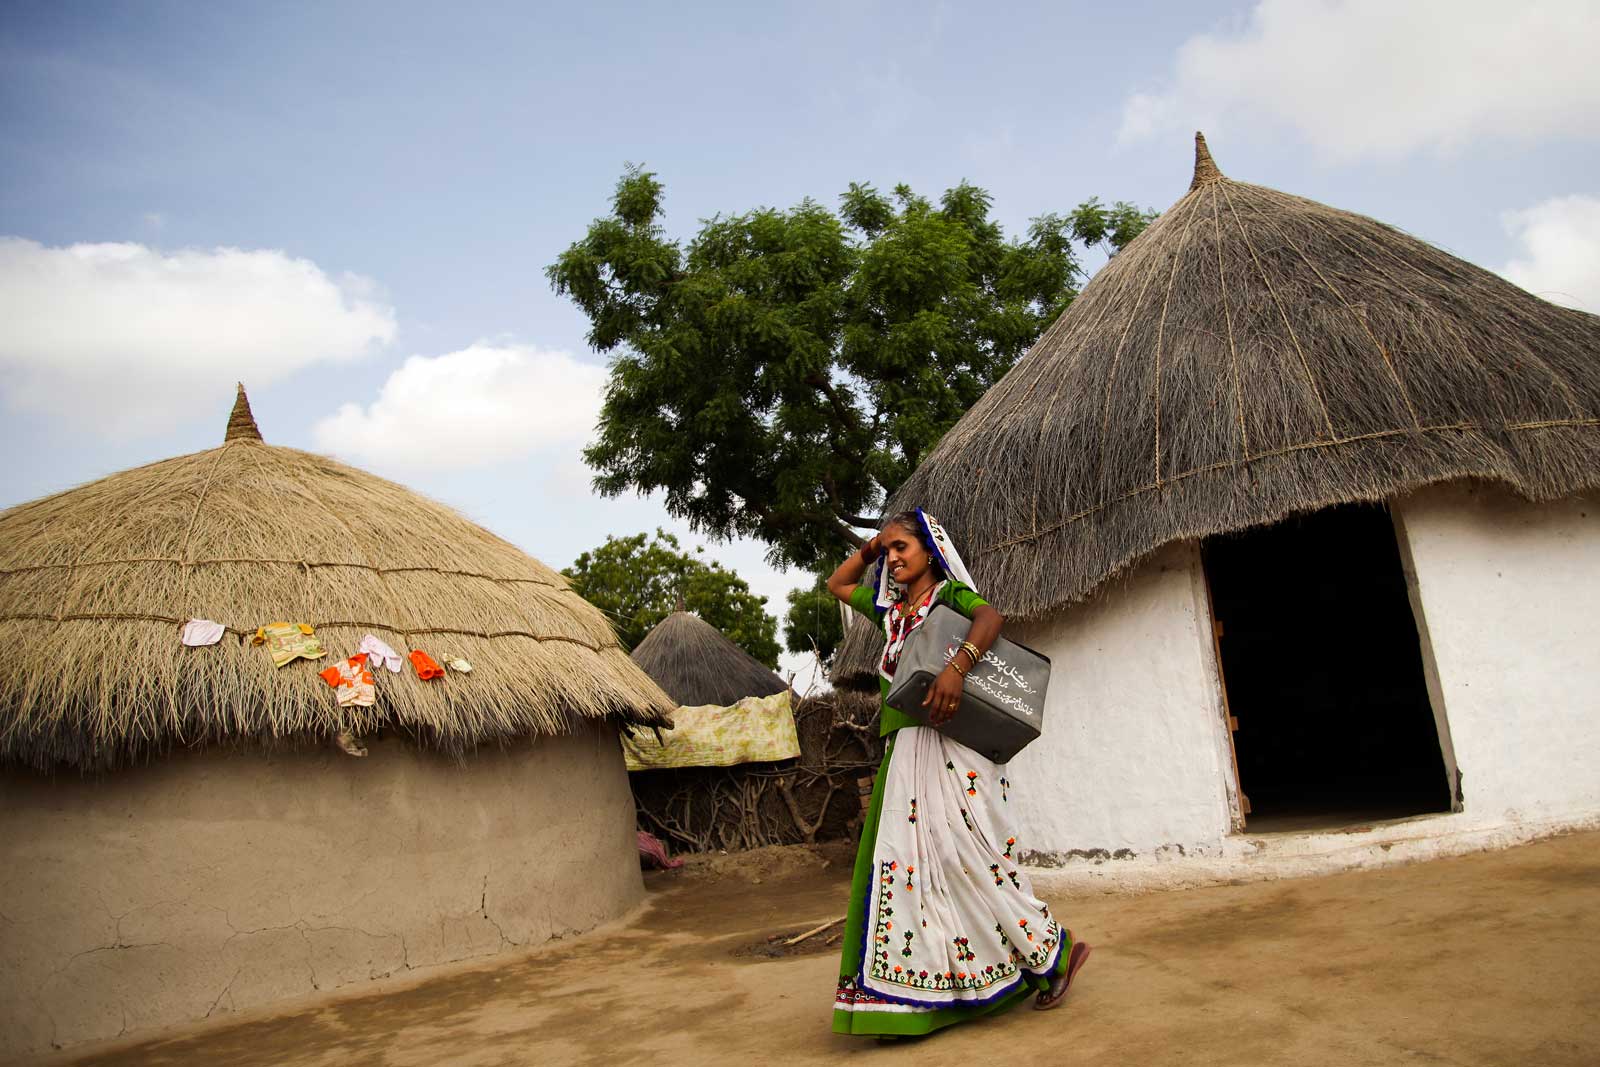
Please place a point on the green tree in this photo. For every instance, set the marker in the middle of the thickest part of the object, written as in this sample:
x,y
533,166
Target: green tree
x,y
638,583
781,374
812,622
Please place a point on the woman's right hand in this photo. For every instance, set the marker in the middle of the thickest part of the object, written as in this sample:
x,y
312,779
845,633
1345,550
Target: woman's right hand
x,y
843,581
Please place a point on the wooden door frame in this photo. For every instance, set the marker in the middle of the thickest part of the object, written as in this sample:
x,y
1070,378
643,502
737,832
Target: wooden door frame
x,y
1238,802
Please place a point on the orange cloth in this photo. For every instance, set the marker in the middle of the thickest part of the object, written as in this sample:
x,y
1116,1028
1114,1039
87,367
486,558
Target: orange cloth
x,y
426,667
353,682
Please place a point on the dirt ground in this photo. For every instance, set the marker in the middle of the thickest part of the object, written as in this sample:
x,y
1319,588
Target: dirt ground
x,y
1483,959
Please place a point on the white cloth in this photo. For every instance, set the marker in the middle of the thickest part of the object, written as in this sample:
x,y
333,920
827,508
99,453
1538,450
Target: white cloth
x,y
951,917
378,652
944,552
197,632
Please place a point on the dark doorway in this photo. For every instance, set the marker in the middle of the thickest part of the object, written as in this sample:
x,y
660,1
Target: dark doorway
x,y
1324,673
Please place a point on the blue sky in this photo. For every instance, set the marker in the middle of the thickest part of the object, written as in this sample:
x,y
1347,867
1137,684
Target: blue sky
x,y
350,206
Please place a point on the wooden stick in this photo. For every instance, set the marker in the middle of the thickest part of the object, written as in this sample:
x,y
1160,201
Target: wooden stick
x,y
814,931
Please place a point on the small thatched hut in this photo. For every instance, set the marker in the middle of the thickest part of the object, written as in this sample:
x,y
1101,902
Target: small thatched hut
x,y
1286,477
180,834
694,663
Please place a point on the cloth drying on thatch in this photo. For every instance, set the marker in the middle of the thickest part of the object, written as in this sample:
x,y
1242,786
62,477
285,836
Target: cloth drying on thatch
x,y
286,642
199,632
379,653
97,582
696,665
1250,355
352,682
754,730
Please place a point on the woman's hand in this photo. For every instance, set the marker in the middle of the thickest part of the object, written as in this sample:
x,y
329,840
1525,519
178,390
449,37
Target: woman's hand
x,y
844,580
944,696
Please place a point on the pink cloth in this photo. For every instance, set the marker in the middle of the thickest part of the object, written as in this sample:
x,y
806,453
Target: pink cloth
x,y
652,853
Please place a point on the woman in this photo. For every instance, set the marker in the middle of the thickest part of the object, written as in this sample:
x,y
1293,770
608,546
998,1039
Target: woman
x,y
943,925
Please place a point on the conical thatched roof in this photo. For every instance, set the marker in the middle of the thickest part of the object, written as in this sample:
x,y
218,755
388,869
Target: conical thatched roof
x,y
695,664
1253,354
96,582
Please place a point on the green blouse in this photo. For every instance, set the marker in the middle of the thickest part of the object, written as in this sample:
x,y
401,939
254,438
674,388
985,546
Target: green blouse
x,y
864,600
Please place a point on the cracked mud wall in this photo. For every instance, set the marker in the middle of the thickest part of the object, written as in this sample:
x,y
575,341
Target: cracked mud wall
x,y
210,882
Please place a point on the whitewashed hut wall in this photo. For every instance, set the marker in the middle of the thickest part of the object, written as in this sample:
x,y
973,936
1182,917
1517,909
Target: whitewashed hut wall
x,y
1510,606
1134,759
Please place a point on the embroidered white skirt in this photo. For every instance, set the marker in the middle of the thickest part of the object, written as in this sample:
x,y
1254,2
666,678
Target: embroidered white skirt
x,y
950,918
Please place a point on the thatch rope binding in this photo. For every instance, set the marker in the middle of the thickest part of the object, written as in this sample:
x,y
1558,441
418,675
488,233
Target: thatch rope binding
x,y
1359,364
253,531
1277,303
168,620
308,564
1286,450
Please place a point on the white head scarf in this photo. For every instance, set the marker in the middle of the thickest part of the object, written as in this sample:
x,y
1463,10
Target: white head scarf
x,y
944,553
897,631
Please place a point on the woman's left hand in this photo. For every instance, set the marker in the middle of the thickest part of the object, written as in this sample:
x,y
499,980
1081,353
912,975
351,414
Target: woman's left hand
x,y
944,696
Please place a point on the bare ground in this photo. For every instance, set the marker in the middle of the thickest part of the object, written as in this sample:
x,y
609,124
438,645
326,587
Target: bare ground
x,y
1482,959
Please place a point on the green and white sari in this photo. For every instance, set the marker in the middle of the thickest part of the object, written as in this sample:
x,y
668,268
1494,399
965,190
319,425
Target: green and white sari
x,y
943,925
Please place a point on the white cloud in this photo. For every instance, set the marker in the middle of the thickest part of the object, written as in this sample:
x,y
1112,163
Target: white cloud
x,y
481,405
1558,254
1381,78
125,338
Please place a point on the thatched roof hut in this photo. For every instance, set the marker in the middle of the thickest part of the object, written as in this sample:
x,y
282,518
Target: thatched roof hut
x,y
695,664
1251,355
95,583
259,865
1286,470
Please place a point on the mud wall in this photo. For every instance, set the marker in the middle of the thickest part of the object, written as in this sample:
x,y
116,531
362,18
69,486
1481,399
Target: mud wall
x,y
1507,599
211,882
1134,758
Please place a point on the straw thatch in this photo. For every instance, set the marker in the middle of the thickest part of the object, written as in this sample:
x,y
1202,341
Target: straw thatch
x,y
695,664
96,582
1251,355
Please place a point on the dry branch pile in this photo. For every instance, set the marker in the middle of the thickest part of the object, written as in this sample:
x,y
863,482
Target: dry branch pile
x,y
800,801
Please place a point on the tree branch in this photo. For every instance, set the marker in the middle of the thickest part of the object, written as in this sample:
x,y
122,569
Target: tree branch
x,y
832,489
848,534
844,411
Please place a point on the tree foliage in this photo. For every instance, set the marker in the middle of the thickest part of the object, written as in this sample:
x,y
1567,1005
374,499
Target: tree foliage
x,y
638,582
812,622
781,374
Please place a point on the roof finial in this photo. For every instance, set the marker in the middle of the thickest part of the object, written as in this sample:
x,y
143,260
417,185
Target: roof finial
x,y
1205,168
241,424
681,605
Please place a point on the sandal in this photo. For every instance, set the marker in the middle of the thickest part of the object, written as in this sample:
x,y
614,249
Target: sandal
x,y
1059,985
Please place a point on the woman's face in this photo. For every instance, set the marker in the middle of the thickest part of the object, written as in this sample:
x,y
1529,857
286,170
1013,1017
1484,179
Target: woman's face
x,y
904,554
